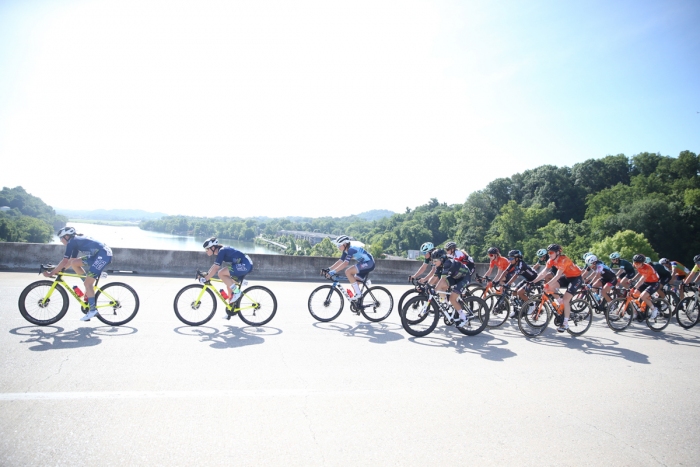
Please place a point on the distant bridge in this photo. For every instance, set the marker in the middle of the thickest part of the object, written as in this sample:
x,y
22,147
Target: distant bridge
x,y
278,245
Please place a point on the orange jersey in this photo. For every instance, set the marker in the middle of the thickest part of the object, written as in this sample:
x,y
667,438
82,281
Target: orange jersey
x,y
501,263
648,273
564,263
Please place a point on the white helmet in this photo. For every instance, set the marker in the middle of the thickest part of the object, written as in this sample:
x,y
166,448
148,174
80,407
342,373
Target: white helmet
x,y
343,239
591,259
210,242
65,231
426,247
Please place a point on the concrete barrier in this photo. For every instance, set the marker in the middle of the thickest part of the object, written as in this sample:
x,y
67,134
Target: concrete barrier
x,y
28,256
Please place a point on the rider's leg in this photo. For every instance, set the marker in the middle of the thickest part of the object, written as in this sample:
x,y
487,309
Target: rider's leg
x,y
606,291
77,265
225,275
350,274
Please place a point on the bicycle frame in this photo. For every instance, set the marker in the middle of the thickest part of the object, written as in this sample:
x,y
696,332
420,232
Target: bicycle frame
x,y
229,307
59,281
446,309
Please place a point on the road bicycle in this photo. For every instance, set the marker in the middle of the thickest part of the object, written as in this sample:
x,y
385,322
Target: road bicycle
x,y
45,302
418,288
592,295
688,310
621,311
420,314
503,301
327,301
195,304
536,313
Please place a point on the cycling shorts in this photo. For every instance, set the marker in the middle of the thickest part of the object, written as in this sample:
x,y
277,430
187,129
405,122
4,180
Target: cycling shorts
x,y
365,268
458,284
650,287
572,284
664,280
628,275
98,261
240,270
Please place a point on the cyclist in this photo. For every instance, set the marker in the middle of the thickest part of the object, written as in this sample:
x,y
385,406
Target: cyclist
x,y
678,272
241,265
459,255
365,263
626,271
456,275
517,268
426,249
601,274
498,262
665,276
541,262
695,272
98,256
568,275
648,283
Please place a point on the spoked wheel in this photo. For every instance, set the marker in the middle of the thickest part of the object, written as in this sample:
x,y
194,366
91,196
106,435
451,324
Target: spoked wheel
x,y
326,303
619,314
663,316
257,305
581,317
194,306
116,303
419,316
477,307
499,307
376,304
38,308
687,312
534,317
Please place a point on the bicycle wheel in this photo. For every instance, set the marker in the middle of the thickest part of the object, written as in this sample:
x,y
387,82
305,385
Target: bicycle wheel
x,y
672,299
581,317
405,296
534,317
326,303
193,310
499,309
421,319
662,318
257,305
117,303
619,315
376,304
481,316
474,291
37,308
687,312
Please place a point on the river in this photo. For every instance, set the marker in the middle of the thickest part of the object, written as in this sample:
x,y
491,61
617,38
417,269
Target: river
x,y
130,236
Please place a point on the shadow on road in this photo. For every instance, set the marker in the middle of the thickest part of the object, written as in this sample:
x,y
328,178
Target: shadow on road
x,y
376,333
231,337
486,345
54,337
677,335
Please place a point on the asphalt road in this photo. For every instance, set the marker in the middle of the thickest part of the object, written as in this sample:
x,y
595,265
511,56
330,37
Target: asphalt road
x,y
349,392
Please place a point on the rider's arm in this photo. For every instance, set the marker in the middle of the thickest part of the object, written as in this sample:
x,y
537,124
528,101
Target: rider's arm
x,y
339,265
430,275
60,266
488,273
420,271
212,271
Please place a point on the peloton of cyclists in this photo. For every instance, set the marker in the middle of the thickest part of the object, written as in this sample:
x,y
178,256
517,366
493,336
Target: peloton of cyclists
x,y
365,263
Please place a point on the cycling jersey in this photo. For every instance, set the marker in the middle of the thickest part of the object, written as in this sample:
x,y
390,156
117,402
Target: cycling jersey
x,y
607,275
358,254
678,269
229,254
626,265
520,268
87,245
501,263
463,258
695,269
564,263
648,273
662,271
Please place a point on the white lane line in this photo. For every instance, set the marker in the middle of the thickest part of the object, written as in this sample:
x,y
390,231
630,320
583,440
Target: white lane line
x,y
34,396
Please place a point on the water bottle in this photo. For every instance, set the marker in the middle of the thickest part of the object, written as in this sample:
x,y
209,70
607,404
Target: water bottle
x,y
223,293
77,291
350,293
598,297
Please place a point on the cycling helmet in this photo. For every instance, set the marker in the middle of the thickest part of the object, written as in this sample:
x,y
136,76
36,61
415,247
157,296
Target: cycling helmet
x,y
515,253
65,231
664,261
439,254
426,247
647,260
639,258
554,247
541,252
450,245
591,259
210,242
586,255
615,255
342,240
696,259
493,251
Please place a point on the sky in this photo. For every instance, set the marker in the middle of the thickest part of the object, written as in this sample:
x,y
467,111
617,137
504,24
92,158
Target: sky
x,y
318,108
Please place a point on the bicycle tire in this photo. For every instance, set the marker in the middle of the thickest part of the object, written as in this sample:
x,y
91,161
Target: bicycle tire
x,y
499,315
529,322
405,295
410,316
672,299
580,318
376,304
476,291
326,307
663,317
121,298
257,305
477,306
185,304
30,306
616,316
687,312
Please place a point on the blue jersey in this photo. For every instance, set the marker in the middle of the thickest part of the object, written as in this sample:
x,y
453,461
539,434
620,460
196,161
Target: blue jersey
x,y
86,245
229,254
356,253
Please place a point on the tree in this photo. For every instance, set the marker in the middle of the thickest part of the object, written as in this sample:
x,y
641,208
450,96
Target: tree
x,y
325,248
628,243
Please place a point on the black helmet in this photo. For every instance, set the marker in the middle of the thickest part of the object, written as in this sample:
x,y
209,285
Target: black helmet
x,y
450,245
639,258
554,247
210,242
515,253
438,254
696,259
494,251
